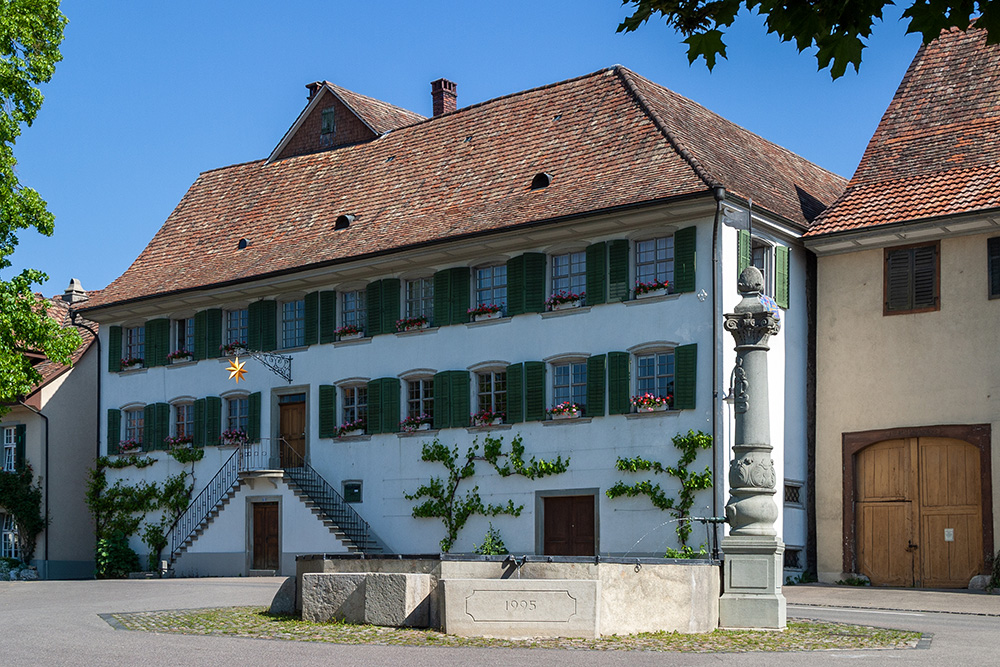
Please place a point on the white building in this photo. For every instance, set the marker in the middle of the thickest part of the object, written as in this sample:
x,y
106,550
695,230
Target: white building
x,y
366,214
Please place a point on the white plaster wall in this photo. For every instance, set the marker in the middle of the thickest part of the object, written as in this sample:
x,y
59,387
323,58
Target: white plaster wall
x,y
877,372
390,466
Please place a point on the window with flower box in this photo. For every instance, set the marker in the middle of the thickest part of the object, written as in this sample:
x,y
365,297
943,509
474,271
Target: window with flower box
x,y
184,420
652,369
10,545
569,273
420,398
419,299
238,413
491,391
183,335
491,285
354,311
355,403
237,324
293,323
134,425
654,261
655,375
134,345
569,383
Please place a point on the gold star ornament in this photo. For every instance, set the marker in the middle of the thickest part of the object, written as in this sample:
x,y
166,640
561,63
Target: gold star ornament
x,y
236,369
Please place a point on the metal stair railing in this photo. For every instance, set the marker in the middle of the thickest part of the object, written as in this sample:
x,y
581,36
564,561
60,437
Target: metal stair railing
x,y
192,518
330,502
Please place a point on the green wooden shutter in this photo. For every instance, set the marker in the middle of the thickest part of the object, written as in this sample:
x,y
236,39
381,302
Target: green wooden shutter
x,y
268,326
460,407
157,342
162,424
213,333
200,350
515,285
685,379
114,350
253,416
461,285
619,402
597,273
442,400
596,385
149,430
327,411
199,423
515,393
390,307
114,430
442,298
311,325
743,251
534,282
213,419
254,325
685,256
374,419
390,405
534,391
373,326
20,435
619,288
327,316
781,288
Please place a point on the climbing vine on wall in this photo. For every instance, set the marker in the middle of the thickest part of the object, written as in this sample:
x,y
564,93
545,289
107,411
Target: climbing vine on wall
x,y
445,502
691,483
22,499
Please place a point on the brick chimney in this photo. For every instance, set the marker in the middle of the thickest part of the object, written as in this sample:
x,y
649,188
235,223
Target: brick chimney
x,y
444,96
314,88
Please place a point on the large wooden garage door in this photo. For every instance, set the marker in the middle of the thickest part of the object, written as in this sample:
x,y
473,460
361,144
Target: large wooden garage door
x,y
919,512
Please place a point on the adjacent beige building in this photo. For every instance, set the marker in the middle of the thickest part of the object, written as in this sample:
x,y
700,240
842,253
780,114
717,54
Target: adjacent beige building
x,y
908,315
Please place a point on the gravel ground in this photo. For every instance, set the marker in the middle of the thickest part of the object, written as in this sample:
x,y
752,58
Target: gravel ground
x,y
256,622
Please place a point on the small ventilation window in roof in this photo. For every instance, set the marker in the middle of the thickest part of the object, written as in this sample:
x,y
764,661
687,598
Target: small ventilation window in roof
x,y
540,181
242,245
344,221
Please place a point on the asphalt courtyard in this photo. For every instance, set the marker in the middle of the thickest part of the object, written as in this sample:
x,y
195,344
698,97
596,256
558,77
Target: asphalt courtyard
x,y
60,623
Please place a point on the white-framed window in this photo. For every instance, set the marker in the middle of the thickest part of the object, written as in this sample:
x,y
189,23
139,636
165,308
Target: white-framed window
x,y
184,420
491,391
355,402
237,325
184,335
133,425
354,311
9,448
491,285
569,383
420,397
10,546
293,323
762,256
134,343
420,298
569,273
237,413
655,374
654,261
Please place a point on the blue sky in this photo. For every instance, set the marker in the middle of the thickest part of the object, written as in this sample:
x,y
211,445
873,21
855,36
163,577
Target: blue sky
x,y
151,94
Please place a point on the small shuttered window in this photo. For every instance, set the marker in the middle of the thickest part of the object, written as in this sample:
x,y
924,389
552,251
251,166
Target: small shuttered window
x,y
993,250
911,279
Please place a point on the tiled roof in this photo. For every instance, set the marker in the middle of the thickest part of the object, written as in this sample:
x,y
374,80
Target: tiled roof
x,y
609,139
380,116
936,151
59,311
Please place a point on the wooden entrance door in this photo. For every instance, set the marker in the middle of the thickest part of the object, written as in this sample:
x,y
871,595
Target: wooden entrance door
x,y
292,425
568,528
265,536
919,512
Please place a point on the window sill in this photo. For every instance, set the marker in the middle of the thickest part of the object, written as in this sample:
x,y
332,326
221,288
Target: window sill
x,y
354,341
133,371
489,427
353,438
567,422
418,332
652,299
417,434
566,311
289,350
486,323
649,415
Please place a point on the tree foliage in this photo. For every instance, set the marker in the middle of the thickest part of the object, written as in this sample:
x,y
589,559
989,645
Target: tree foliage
x,y
837,28
30,34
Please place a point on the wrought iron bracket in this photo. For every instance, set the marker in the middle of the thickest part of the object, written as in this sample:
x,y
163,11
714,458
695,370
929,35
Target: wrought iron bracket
x,y
279,364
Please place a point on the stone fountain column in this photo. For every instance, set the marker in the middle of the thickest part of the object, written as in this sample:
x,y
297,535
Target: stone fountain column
x,y
753,551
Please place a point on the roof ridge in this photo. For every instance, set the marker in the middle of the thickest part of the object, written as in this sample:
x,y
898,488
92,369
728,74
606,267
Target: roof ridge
x,y
625,75
339,89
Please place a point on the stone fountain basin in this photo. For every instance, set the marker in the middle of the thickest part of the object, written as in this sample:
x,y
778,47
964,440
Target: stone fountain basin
x,y
511,597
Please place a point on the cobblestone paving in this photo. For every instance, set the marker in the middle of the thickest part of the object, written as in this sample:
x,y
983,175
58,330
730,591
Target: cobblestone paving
x,y
257,623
